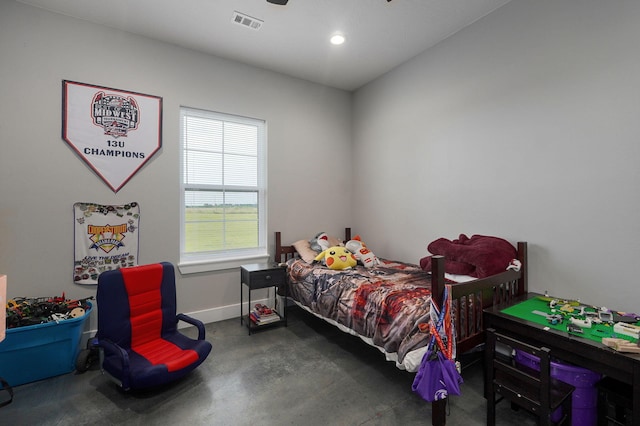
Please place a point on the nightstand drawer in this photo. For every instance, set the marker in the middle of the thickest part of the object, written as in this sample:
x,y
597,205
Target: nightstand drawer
x,y
261,278
270,278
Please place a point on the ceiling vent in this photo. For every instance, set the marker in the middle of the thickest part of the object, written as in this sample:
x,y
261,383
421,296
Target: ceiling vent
x,y
246,20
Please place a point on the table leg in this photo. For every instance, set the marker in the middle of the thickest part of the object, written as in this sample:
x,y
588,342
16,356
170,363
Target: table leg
x,y
635,415
249,309
438,412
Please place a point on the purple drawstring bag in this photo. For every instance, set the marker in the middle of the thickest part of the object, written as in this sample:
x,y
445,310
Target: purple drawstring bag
x,y
437,377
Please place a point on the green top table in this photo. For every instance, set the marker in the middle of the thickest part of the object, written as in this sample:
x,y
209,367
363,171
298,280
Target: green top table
x,y
526,310
515,319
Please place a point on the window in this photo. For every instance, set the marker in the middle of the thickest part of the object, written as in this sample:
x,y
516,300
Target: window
x,y
223,190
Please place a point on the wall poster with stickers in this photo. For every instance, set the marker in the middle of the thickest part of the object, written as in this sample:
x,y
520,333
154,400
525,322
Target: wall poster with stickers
x,y
115,132
106,237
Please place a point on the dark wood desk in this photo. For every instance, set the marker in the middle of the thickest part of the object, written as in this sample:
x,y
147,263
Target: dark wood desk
x,y
582,352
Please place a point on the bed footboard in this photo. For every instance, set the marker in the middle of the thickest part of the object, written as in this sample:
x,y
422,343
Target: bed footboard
x,y
470,299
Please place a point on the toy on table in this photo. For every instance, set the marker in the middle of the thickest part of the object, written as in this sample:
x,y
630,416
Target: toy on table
x,y
572,309
338,258
621,345
572,328
362,253
605,316
627,329
626,317
553,319
582,323
555,301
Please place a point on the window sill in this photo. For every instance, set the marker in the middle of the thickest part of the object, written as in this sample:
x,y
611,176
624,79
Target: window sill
x,y
197,267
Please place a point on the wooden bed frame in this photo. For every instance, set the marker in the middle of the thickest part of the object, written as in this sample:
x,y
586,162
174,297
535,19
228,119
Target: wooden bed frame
x,y
469,299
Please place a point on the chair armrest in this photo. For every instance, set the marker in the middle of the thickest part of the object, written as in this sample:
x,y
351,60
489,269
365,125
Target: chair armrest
x,y
112,347
195,322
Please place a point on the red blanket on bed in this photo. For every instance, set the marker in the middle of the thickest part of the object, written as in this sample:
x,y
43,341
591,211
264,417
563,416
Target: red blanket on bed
x,y
479,256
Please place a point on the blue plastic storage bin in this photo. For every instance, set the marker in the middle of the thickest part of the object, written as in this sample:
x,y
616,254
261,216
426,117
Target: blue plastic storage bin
x,y
36,352
584,403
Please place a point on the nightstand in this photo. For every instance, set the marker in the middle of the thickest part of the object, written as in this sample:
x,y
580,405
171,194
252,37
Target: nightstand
x,y
258,276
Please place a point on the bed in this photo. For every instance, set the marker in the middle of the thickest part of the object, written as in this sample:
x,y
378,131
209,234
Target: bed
x,y
388,305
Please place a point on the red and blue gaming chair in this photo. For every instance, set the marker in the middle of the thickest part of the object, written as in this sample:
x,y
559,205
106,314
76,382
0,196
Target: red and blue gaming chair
x,y
137,328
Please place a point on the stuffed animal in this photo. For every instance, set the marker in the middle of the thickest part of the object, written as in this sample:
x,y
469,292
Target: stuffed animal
x,y
320,242
338,257
362,253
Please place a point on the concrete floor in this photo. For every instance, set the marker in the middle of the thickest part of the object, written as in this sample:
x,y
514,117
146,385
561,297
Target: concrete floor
x,y
308,373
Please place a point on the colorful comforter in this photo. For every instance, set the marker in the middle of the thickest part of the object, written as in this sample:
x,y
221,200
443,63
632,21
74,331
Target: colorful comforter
x,y
386,304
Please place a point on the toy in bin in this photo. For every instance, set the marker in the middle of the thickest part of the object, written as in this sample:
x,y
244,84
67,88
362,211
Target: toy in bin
x,y
42,337
23,311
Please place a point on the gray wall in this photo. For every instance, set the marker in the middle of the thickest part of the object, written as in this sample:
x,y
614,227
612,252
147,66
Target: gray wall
x,y
524,125
40,176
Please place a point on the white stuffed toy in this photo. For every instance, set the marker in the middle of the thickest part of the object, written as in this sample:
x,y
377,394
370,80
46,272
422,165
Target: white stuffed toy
x,y
362,253
320,242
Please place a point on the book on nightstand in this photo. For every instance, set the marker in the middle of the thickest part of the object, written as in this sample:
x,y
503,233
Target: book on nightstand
x,y
263,315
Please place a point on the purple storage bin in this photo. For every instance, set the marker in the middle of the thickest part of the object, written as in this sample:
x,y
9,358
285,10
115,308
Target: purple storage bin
x,y
584,403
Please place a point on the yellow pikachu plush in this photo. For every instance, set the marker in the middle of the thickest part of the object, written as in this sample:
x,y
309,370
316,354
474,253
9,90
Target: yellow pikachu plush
x,y
338,258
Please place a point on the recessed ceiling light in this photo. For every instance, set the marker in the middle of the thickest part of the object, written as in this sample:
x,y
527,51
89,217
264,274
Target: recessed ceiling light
x,y
337,39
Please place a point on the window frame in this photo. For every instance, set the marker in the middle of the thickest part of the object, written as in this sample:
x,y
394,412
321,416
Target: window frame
x,y
226,259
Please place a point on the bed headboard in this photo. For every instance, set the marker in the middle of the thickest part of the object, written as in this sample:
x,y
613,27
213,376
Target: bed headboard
x,y
284,253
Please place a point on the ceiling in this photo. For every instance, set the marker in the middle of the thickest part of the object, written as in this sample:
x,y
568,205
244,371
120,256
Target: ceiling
x,y
292,39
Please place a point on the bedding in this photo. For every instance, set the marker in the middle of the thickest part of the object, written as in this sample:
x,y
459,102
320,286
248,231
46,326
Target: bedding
x,y
387,305
303,247
479,256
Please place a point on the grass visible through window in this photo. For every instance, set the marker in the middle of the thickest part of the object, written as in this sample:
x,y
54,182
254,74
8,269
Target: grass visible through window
x,y
213,228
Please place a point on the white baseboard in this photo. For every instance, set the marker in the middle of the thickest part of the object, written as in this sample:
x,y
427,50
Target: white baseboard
x,y
221,313
206,316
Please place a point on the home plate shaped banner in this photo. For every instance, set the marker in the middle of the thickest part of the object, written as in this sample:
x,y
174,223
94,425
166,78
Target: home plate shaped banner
x,y
114,131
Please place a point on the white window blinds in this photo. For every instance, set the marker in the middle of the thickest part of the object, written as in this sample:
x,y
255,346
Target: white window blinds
x,y
223,187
